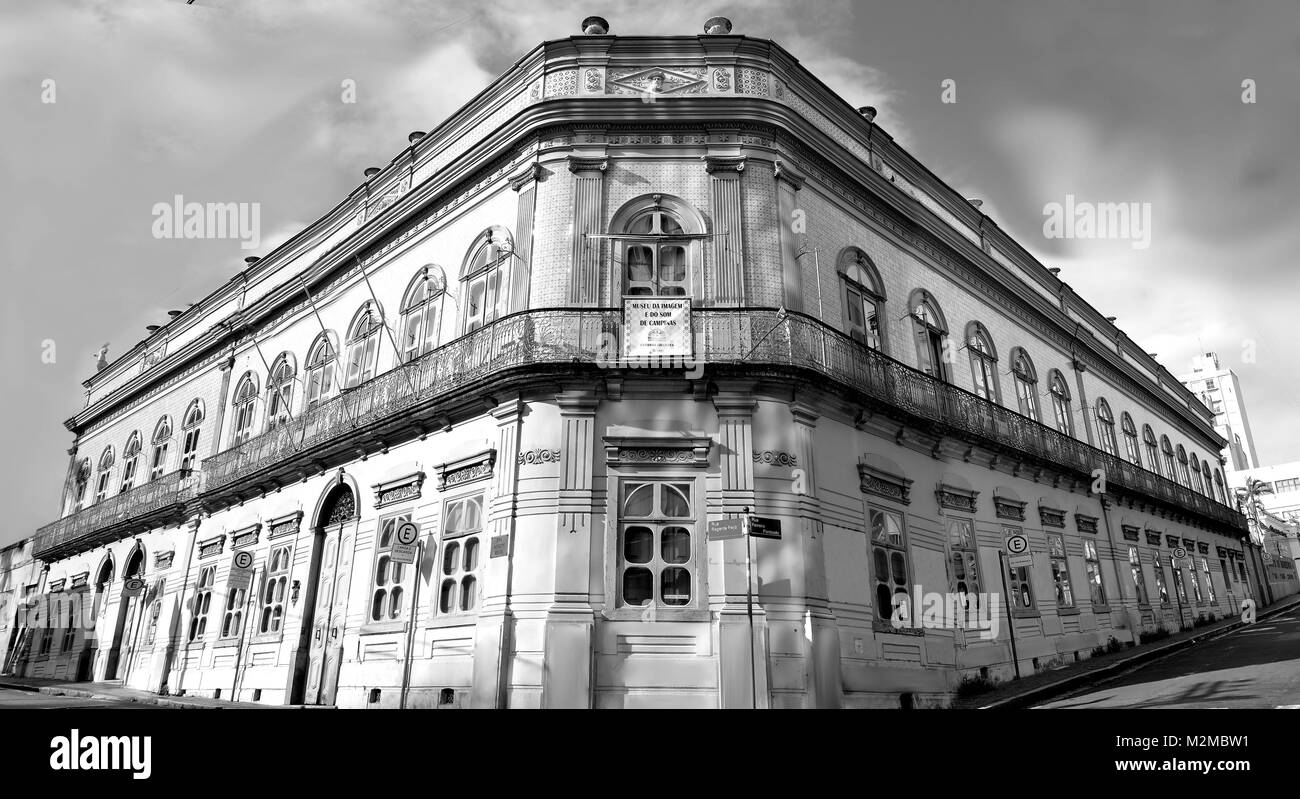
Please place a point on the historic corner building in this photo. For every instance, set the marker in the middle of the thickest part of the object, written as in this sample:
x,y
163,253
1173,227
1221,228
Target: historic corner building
x,y
459,442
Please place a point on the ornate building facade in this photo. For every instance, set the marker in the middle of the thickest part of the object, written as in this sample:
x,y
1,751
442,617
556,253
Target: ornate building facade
x,y
478,356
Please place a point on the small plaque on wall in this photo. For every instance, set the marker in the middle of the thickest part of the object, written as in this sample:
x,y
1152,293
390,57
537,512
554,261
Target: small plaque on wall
x,y
500,546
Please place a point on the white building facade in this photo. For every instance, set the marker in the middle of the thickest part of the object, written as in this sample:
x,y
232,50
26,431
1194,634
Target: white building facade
x,y
872,363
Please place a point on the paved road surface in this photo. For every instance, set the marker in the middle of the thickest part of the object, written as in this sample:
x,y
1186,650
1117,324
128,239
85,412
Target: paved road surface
x,y
10,698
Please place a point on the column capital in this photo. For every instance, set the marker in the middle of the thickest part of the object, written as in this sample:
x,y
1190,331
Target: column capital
x,y
577,401
735,398
585,166
804,414
785,171
723,163
526,177
507,410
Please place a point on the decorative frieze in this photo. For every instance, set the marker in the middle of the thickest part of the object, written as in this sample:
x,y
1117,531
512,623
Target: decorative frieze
x,y
1172,541
79,580
56,585
212,546
1189,544
246,536
163,560
1221,552
1085,523
466,470
884,484
539,455
1008,508
954,498
281,526
651,81
657,450
1051,517
775,458
1132,533
399,490
1202,547
1153,538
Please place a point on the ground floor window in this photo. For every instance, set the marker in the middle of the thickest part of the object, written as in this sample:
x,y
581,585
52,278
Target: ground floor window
x,y
462,556
202,602
889,561
656,543
1209,581
1092,565
1060,570
1139,582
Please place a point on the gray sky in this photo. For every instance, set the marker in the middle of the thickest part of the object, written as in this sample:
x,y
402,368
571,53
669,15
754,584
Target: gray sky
x,y
239,100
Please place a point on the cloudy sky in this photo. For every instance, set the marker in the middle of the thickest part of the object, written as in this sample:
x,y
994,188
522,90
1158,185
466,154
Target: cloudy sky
x,y
238,100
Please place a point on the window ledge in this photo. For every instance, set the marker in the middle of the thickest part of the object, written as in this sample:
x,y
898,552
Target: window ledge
x,y
1067,610
660,614
382,627
225,643
1021,613
1101,608
268,638
451,620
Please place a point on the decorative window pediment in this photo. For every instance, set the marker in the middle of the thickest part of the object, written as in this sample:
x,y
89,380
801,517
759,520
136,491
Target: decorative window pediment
x,y
1153,538
212,546
1202,547
163,560
1132,533
79,580
57,585
466,470
1223,553
1085,523
884,484
1189,544
1008,508
245,536
954,498
284,525
1051,517
1172,541
657,450
399,490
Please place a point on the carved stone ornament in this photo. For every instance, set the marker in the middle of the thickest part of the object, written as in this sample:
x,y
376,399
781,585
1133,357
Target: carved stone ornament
x,y
539,455
1051,517
657,450
776,458
1131,533
281,526
399,490
163,560
954,498
466,470
1007,508
1153,538
884,484
1085,524
245,537
212,546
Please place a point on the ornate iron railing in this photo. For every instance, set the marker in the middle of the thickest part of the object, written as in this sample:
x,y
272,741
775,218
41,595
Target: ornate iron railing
x,y
741,336
173,489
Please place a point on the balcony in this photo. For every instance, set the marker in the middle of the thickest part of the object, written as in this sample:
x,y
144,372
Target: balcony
x,y
550,343
141,508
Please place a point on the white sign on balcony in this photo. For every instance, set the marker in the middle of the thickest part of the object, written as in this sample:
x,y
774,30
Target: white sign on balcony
x,y
657,328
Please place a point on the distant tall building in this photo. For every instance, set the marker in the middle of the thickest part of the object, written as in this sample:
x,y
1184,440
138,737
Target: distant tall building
x,y
1220,390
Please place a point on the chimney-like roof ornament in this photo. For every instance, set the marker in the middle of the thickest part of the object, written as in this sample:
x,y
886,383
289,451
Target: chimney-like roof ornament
x,y
595,26
717,26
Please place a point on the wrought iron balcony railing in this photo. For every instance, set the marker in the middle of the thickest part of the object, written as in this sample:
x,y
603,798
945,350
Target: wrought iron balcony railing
x,y
167,492
743,336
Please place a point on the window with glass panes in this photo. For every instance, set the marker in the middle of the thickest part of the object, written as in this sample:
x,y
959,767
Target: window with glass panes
x,y
889,559
279,392
863,297
1106,427
983,362
161,441
963,563
1149,441
1060,402
927,327
69,628
190,442
245,409
233,615
1060,570
155,611
1130,439
387,591
1209,581
462,555
1167,452
363,346
130,459
271,618
319,380
1092,567
105,471
1158,569
202,601
1177,571
657,564
1135,570
422,313
656,263
1019,579
1026,379
1196,582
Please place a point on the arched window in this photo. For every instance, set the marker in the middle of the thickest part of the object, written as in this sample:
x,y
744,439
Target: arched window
x,y
485,278
864,297
1106,427
320,369
162,436
1182,467
191,425
1060,402
422,312
363,345
1130,439
1196,484
983,362
1218,486
279,390
658,252
105,470
930,331
1205,478
1026,379
244,407
1149,441
130,459
1167,452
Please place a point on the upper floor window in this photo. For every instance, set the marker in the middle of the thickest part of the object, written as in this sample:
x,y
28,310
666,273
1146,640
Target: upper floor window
x,y
1106,427
190,443
1026,379
983,362
931,332
1183,474
1167,454
1205,478
279,391
245,408
130,460
485,279
162,436
1060,402
422,312
363,345
864,297
1149,441
1218,486
320,369
1130,439
1197,485
656,255
105,471
80,481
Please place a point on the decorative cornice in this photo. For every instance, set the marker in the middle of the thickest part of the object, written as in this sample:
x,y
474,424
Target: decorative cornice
x,y
1084,523
538,455
1008,508
245,536
657,450
280,526
723,163
775,458
1051,517
784,171
954,498
1131,532
211,546
399,490
466,470
884,484
1172,541
1203,547
80,579
529,174
1153,538
55,585
579,164
163,560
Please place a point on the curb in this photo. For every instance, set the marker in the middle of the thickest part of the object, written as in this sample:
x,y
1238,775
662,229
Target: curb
x,y
1067,684
80,693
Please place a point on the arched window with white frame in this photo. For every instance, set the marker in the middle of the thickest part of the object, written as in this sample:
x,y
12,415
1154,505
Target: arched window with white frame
x,y
1153,449
130,460
105,471
244,409
1183,474
279,390
864,298
1026,380
1060,392
363,344
931,332
162,436
983,362
1218,487
1130,439
1106,427
1167,451
191,424
321,359
658,249
485,279
422,312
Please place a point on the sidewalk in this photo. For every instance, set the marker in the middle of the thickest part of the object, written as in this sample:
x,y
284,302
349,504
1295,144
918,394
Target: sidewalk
x,y
112,692
1036,688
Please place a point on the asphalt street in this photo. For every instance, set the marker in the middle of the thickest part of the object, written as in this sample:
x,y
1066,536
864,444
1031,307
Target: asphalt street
x,y
23,700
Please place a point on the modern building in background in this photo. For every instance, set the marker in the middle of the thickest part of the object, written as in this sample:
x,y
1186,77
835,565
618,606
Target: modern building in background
x,y
1220,390
1283,481
471,438
20,582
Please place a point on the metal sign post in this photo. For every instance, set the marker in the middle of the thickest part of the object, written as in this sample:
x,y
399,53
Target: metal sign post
x,y
749,611
410,633
1011,625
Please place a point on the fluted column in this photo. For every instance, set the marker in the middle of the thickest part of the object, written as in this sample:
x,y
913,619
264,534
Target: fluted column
x,y
525,183
588,193
728,285
792,228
